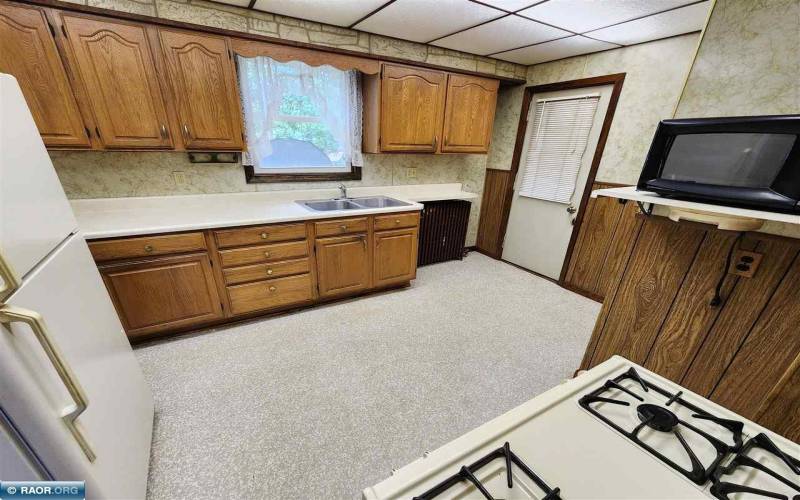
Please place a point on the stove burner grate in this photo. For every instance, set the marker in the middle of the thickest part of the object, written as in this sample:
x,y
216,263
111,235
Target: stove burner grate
x,y
466,473
722,489
663,420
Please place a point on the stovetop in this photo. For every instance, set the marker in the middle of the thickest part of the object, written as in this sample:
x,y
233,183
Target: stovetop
x,y
617,431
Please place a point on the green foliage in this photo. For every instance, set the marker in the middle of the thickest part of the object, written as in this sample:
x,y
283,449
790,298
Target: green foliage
x,y
313,132
298,105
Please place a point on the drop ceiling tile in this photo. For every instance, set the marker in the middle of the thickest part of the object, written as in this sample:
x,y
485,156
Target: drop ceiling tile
x,y
237,3
584,15
338,12
671,23
425,20
557,49
511,5
501,34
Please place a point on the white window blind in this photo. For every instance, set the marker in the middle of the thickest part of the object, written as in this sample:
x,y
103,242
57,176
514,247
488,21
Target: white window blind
x,y
558,135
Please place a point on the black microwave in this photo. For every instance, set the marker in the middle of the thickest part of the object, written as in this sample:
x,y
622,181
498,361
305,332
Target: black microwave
x,y
745,161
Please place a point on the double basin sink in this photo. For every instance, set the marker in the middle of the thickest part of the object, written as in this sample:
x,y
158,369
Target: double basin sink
x,y
352,203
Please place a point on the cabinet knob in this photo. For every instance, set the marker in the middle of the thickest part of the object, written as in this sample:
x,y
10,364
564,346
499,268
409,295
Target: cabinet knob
x,y
269,271
272,289
148,248
264,236
266,254
397,221
343,227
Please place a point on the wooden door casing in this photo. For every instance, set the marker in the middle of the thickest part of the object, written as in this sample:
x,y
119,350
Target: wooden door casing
x,y
163,293
203,84
395,256
29,53
343,265
412,109
469,114
115,64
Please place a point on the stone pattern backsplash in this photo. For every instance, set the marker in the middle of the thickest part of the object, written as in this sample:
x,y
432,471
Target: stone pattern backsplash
x,y
216,15
87,174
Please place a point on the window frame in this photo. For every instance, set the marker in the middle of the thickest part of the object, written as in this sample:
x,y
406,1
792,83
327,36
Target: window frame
x,y
254,175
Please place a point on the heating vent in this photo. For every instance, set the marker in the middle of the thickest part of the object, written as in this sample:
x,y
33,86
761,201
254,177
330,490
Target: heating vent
x,y
442,231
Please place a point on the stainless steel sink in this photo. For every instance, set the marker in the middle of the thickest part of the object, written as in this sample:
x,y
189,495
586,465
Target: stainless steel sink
x,y
379,202
328,205
353,203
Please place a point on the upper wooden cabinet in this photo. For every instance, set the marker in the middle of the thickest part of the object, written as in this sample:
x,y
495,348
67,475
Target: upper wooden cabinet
x,y
469,114
115,65
415,110
203,82
412,103
28,52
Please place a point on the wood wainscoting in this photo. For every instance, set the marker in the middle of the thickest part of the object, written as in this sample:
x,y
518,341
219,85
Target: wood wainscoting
x,y
604,240
490,230
744,353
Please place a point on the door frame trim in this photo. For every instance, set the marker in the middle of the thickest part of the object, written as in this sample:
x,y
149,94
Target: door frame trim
x,y
616,79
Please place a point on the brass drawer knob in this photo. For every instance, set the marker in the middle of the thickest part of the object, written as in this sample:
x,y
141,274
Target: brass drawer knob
x,y
264,236
343,227
266,254
148,248
272,289
269,271
397,221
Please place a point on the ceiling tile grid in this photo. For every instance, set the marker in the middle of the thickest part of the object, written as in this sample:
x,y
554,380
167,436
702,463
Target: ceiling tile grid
x,y
519,31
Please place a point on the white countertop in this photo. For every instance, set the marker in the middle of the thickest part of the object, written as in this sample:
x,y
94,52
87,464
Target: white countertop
x,y
114,217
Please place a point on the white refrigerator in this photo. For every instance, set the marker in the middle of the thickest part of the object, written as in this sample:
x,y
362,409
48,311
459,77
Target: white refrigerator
x,y
74,405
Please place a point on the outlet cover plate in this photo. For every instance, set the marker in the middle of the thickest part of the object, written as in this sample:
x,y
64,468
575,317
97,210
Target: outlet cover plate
x,y
745,263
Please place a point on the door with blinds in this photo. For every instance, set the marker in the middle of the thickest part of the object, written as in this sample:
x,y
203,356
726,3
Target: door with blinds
x,y
560,139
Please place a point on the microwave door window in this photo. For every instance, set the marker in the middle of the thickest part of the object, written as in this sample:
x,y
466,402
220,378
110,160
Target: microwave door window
x,y
728,159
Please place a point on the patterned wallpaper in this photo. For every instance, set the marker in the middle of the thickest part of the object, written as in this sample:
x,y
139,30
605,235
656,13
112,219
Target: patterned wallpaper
x,y
748,64
655,73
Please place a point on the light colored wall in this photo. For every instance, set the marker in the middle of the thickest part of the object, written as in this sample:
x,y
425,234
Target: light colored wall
x,y
748,64
655,73
105,174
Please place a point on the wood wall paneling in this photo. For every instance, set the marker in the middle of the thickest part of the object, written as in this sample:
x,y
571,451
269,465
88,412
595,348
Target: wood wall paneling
x,y
495,187
780,409
661,258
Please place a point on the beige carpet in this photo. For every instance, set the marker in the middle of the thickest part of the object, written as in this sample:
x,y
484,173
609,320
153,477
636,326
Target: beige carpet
x,y
324,402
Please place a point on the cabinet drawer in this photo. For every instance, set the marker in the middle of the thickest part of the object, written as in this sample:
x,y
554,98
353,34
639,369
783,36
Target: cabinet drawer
x,y
265,271
147,246
263,253
259,234
396,221
341,226
268,294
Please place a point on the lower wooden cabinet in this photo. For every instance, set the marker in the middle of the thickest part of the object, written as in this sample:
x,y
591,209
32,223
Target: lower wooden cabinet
x,y
163,293
395,259
180,281
342,265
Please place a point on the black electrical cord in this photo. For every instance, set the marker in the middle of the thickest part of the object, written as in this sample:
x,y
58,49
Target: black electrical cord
x,y
717,300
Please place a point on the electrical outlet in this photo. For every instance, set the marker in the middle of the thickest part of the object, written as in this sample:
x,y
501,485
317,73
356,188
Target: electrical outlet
x,y
180,178
411,173
745,263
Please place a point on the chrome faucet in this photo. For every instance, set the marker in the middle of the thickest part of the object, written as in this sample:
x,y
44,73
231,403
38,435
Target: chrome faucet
x,y
343,191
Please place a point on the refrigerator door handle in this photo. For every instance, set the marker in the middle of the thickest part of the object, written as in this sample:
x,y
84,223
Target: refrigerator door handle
x,y
70,414
9,279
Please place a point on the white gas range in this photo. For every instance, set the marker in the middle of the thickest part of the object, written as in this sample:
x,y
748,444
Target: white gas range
x,y
617,431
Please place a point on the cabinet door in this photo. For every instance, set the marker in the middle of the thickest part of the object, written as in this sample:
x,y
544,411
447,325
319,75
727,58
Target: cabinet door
x,y
469,114
395,259
115,64
164,293
204,85
342,265
412,107
28,52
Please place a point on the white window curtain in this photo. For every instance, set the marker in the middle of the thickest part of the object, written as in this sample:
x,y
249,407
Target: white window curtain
x,y
557,140
321,95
